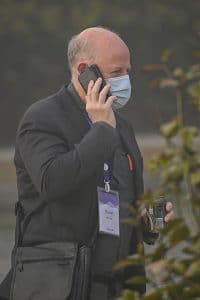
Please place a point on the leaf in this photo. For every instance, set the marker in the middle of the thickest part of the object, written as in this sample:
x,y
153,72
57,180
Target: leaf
x,y
147,198
194,291
156,295
170,129
194,269
140,249
195,178
137,280
174,173
192,75
165,158
166,55
158,252
180,233
168,83
178,267
187,135
130,295
171,225
178,72
193,247
175,291
162,161
153,165
194,92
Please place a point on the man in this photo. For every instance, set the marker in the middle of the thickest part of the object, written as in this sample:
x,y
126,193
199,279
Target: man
x,y
71,149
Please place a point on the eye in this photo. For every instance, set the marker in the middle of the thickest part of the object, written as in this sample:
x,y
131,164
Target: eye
x,y
116,72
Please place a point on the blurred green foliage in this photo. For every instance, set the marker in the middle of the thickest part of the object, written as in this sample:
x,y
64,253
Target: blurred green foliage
x,y
34,36
174,277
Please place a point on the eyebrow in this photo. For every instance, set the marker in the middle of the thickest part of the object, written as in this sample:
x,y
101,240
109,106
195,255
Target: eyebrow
x,y
116,70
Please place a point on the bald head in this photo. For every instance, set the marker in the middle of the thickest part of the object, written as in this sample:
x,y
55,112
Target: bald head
x,y
92,44
99,37
97,45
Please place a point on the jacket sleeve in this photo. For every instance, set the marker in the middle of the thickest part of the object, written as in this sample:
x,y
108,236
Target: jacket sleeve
x,y
54,170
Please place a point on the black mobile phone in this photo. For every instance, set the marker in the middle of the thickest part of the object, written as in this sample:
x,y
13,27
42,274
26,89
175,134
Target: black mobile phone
x,y
91,73
158,213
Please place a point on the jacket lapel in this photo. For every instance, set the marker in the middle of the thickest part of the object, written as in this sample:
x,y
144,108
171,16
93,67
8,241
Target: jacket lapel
x,y
74,111
131,146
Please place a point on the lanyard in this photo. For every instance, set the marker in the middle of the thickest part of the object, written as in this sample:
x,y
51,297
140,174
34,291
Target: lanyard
x,y
106,167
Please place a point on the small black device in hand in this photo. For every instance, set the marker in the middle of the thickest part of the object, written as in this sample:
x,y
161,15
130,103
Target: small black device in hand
x,y
158,212
91,73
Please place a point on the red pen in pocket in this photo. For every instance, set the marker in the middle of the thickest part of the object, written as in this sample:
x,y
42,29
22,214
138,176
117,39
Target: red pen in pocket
x,y
130,161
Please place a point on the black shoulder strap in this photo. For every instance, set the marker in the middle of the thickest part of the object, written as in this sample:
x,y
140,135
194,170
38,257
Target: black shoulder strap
x,y
23,220
19,213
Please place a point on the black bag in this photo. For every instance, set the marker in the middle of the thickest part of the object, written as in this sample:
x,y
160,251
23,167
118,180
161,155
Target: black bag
x,y
50,271
45,271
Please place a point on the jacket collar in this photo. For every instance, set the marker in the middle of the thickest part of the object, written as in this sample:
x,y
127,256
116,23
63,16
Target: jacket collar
x,y
69,96
72,91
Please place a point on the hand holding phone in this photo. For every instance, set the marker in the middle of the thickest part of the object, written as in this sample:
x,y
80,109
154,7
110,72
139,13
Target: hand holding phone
x,y
98,98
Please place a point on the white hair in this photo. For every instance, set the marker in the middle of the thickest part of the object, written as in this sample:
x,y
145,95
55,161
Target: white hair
x,y
79,47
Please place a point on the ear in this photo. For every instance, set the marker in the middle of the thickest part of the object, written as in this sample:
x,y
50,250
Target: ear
x,y
81,67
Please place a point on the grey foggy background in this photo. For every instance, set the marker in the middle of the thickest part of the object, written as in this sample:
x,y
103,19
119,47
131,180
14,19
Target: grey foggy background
x,y
34,36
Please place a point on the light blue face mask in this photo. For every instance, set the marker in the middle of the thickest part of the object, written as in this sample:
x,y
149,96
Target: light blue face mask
x,y
121,88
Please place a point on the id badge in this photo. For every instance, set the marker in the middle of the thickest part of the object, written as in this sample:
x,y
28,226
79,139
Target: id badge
x,y
108,205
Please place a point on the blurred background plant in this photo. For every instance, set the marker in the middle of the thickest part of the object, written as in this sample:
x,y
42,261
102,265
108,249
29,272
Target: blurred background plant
x,y
172,276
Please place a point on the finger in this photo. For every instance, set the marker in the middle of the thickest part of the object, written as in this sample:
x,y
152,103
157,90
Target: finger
x,y
90,86
103,93
96,89
169,216
169,206
110,101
